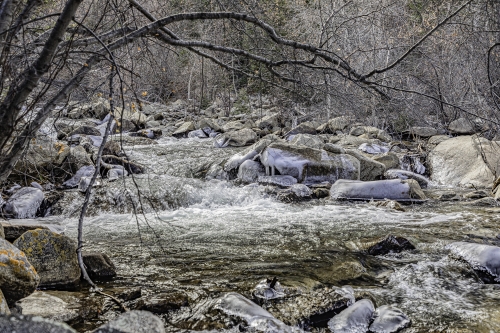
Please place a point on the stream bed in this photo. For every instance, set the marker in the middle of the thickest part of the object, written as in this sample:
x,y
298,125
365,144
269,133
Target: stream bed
x,y
206,238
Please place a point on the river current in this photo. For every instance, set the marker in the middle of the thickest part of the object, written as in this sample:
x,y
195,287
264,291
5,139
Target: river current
x,y
210,237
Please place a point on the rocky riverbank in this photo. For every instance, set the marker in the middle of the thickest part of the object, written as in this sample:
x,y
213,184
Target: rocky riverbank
x,y
179,161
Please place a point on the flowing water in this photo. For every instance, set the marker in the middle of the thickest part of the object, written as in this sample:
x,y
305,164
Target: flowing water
x,y
211,237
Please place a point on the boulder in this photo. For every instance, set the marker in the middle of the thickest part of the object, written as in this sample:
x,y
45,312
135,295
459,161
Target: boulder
x,y
390,204
249,171
312,309
237,305
233,126
354,319
52,255
210,123
199,133
304,128
369,168
389,319
281,181
462,126
437,139
32,324
271,122
85,130
18,278
97,110
14,231
85,171
423,132
394,189
112,148
308,140
466,161
334,149
240,138
24,203
390,244
133,322
98,265
164,302
76,159
484,259
4,307
295,193
403,174
334,125
390,160
372,148
308,165
47,306
184,129
248,154
370,132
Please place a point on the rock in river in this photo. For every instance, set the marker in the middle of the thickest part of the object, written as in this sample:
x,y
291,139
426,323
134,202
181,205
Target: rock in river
x,y
133,322
394,189
52,255
390,244
484,259
31,324
308,165
388,319
18,278
354,319
24,203
99,265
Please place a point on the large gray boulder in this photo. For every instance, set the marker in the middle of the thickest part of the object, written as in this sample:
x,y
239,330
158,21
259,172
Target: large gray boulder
x,y
133,322
369,168
308,165
32,324
18,278
53,256
484,259
249,153
24,203
271,122
235,125
465,161
354,319
394,189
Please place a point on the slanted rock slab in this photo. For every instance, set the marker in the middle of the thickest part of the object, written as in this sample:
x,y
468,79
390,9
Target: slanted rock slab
x,y
52,255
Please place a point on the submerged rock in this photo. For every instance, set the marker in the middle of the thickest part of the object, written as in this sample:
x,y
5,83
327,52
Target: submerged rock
x,y
24,203
133,322
390,244
18,277
312,309
484,259
394,189
52,255
389,319
354,319
32,324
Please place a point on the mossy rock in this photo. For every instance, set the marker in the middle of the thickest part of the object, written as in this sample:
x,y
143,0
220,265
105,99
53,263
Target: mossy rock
x,y
18,277
52,255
